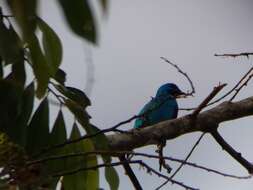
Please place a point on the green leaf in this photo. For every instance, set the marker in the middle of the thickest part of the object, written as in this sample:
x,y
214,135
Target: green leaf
x,y
57,136
18,74
112,177
60,76
76,95
51,45
80,19
80,114
25,15
1,69
101,143
10,99
18,67
27,106
18,132
40,67
10,45
38,130
87,179
92,179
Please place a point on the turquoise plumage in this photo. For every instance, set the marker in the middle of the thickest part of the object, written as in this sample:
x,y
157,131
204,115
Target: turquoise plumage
x,y
160,108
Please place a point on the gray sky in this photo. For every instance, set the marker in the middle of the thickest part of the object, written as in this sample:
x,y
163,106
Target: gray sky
x,y
128,71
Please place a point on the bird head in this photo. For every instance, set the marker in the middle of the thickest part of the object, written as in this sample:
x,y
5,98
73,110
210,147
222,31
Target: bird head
x,y
170,89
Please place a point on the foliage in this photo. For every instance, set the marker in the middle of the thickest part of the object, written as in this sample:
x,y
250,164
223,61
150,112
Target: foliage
x,y
25,137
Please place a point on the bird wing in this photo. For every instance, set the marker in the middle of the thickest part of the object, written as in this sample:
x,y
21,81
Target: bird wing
x,y
157,110
143,119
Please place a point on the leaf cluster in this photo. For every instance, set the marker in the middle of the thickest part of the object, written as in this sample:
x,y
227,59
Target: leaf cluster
x,y
25,133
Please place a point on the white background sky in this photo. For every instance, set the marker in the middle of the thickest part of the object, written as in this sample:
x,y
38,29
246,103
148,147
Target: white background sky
x,y
128,71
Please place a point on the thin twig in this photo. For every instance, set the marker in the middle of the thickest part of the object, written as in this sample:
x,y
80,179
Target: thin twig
x,y
225,95
104,131
188,156
239,89
129,172
74,171
237,84
230,150
58,97
117,153
245,54
183,73
204,103
183,163
149,169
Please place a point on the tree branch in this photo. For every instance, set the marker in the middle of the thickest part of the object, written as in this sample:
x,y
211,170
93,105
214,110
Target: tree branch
x,y
205,122
203,104
130,172
182,164
239,88
140,162
188,156
184,74
229,149
234,55
226,94
139,154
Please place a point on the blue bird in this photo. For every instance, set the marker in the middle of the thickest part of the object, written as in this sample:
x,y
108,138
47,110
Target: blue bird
x,y
160,108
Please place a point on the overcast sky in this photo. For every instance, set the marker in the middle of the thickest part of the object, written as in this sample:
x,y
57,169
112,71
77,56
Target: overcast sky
x,y
128,72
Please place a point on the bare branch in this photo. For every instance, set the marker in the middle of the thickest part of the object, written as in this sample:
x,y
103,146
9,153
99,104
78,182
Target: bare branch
x,y
117,153
234,88
129,172
242,85
229,149
149,170
234,55
183,73
226,94
207,99
206,121
185,160
58,97
188,156
104,131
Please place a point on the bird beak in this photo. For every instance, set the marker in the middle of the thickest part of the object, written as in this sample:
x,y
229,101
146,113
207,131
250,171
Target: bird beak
x,y
181,95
